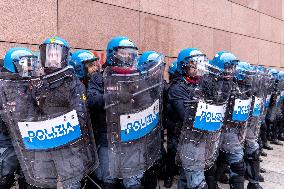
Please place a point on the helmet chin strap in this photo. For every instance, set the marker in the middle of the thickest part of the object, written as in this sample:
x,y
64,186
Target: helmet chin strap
x,y
122,70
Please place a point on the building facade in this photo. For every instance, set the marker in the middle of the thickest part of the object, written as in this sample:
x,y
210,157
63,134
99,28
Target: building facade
x,y
252,29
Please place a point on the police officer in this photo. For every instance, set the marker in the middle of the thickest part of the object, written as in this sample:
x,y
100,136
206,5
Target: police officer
x,y
85,64
53,94
197,90
231,145
279,119
273,110
169,124
12,63
252,152
268,82
122,56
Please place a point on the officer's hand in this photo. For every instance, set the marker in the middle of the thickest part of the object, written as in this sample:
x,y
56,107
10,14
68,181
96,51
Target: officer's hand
x,y
124,97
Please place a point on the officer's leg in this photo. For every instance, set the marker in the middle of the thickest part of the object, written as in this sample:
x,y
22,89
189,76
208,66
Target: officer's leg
x,y
252,164
182,183
76,185
221,165
281,125
263,136
237,169
275,129
152,175
171,167
9,165
269,126
133,182
210,177
195,179
103,170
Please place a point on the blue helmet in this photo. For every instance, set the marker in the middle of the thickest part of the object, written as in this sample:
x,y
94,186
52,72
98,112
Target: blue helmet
x,y
56,40
273,73
54,53
173,68
185,56
13,56
280,75
129,49
261,69
242,70
78,60
148,59
223,59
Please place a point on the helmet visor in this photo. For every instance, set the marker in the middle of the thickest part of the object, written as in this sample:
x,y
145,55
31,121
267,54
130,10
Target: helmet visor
x,y
54,56
29,66
126,57
196,66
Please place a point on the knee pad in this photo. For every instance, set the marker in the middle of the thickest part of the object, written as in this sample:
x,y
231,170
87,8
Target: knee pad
x,y
238,168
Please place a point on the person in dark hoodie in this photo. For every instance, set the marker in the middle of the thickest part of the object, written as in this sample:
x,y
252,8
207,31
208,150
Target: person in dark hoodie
x,y
169,124
85,64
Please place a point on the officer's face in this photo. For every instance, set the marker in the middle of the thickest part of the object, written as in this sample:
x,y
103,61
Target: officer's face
x,y
93,67
229,71
192,69
127,56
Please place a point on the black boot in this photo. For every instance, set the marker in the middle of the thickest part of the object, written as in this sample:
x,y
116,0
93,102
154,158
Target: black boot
x,y
168,182
224,178
136,187
281,137
253,168
262,170
106,185
261,178
276,142
253,186
267,146
150,178
211,182
237,182
269,136
262,153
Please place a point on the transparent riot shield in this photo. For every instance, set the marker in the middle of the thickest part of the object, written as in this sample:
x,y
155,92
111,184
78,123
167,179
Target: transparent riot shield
x,y
254,122
133,115
50,127
205,111
238,112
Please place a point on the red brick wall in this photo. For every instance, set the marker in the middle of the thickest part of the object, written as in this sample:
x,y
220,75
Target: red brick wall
x,y
251,29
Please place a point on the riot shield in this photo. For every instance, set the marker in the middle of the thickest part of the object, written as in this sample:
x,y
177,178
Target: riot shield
x,y
200,134
274,107
237,113
255,118
50,127
133,124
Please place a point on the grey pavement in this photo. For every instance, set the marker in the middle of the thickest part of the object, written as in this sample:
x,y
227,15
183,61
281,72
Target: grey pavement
x,y
274,165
